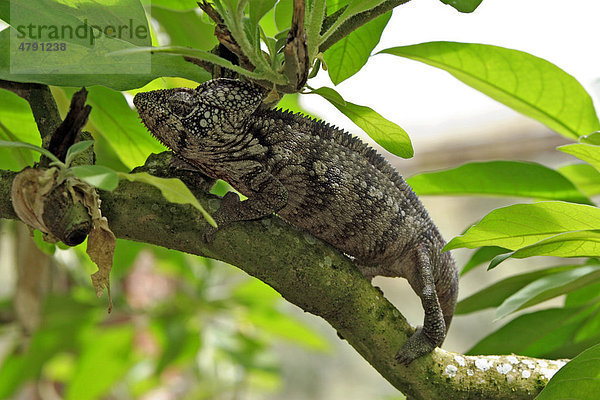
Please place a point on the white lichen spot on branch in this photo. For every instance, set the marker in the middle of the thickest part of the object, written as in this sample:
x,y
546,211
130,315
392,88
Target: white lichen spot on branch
x,y
483,364
460,360
451,371
504,368
512,359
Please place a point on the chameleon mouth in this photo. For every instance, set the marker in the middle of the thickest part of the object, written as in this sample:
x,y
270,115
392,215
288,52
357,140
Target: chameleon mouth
x,y
155,136
158,139
148,114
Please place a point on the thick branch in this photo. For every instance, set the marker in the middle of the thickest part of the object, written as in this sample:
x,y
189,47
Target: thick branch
x,y
320,280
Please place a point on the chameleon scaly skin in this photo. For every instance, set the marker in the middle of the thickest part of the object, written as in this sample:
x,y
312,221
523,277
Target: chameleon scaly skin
x,y
316,177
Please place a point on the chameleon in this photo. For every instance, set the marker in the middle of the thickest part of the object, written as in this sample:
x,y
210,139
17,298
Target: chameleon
x,y
316,177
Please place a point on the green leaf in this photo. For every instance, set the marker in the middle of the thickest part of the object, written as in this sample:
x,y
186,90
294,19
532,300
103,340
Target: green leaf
x,y
497,293
583,296
209,57
386,133
585,177
258,8
465,6
185,28
587,152
568,244
500,178
357,6
592,138
353,8
162,64
106,357
283,14
522,81
97,175
347,57
520,225
481,256
179,5
23,145
261,301
579,379
313,25
96,32
254,293
17,124
283,326
172,189
548,287
335,5
75,149
546,333
38,238
499,259
330,94
590,328
5,11
179,340
64,319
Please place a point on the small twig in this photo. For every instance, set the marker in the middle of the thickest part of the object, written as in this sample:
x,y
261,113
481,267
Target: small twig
x,y
208,67
68,131
42,103
217,71
20,89
356,21
330,19
296,63
224,35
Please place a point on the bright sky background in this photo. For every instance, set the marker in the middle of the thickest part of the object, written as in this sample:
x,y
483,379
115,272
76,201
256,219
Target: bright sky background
x,y
428,102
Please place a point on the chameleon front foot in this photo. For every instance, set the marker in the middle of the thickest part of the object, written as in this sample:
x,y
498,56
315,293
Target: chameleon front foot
x,y
224,215
416,346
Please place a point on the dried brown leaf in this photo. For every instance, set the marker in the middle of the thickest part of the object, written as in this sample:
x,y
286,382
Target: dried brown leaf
x,y
101,240
28,193
101,248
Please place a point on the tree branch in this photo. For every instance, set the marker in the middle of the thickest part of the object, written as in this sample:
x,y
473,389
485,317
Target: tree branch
x,y
320,280
296,64
43,106
224,36
69,131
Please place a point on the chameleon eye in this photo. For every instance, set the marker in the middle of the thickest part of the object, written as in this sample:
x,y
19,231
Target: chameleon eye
x,y
182,104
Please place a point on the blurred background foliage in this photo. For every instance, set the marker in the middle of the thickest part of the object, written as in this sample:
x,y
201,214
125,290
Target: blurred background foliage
x,y
181,324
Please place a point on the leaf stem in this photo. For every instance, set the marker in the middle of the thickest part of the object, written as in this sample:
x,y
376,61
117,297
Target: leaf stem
x,y
339,30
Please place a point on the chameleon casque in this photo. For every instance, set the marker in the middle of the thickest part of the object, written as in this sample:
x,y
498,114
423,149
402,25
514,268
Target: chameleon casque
x,y
318,178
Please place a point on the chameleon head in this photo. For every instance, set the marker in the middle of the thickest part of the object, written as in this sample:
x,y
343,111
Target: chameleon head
x,y
198,120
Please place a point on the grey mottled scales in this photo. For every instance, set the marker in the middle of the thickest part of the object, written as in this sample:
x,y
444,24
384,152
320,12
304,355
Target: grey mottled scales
x,y
318,178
